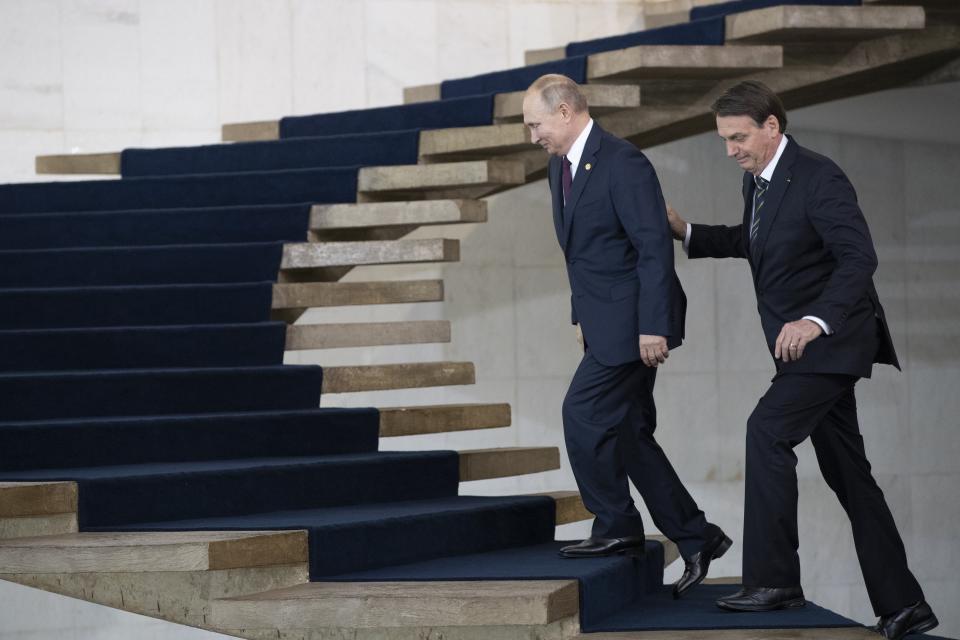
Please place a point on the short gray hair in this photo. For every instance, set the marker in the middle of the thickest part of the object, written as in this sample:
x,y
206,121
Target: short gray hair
x,y
556,89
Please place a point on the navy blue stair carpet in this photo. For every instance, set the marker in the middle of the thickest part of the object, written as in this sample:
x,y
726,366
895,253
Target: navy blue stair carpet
x,y
173,264
143,392
52,444
739,6
163,347
205,225
360,537
700,32
324,185
363,149
135,305
606,584
473,111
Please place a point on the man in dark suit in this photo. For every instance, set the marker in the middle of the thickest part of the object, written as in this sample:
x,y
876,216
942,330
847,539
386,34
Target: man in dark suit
x,y
812,261
628,307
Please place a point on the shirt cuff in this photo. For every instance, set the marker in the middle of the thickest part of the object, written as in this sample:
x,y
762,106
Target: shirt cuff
x,y
823,325
686,239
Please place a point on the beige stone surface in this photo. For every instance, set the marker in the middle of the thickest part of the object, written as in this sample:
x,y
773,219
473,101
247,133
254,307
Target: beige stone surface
x,y
406,421
160,551
820,23
79,163
334,294
602,98
421,93
310,255
366,334
29,526
432,177
466,142
482,464
251,131
396,376
20,499
647,62
384,214
539,56
569,506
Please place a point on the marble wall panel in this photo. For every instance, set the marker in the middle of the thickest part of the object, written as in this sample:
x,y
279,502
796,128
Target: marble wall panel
x,y
546,344
539,25
400,37
471,38
31,67
602,19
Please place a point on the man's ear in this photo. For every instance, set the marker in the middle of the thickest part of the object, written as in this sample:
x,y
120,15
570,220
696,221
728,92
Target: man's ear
x,y
565,112
772,124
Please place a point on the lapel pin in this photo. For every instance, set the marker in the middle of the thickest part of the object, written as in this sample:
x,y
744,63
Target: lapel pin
x,y
588,166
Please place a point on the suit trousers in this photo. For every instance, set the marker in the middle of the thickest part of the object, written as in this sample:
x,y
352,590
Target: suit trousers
x,y
824,408
609,419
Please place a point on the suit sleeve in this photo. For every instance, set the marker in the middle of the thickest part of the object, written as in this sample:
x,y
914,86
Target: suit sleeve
x,y
639,205
716,241
833,211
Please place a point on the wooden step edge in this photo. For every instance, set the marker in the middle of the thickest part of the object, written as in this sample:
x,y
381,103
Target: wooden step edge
x,y
823,23
366,334
175,551
350,379
671,552
250,131
569,506
602,98
385,605
389,214
25,499
489,139
440,176
421,93
484,464
706,62
313,255
539,56
299,295
431,419
79,164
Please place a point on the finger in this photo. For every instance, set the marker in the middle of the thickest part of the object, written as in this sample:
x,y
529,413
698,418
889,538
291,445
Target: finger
x,y
801,345
778,347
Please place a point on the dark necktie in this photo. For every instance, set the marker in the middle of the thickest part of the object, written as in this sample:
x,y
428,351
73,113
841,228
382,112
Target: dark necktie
x,y
567,180
758,197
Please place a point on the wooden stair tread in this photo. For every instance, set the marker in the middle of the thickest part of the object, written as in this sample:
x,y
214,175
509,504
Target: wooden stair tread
x,y
503,462
334,294
380,377
366,334
602,98
384,214
677,62
24,499
569,506
312,255
395,181
407,421
161,551
79,163
250,131
805,23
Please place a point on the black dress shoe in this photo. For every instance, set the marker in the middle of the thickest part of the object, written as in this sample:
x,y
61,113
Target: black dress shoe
x,y
917,618
599,547
699,563
763,599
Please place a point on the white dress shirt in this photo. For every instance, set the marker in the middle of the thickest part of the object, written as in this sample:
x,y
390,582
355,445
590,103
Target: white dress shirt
x,y
576,150
766,174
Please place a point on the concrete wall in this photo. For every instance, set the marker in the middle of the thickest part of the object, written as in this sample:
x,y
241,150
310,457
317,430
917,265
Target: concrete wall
x,y
94,76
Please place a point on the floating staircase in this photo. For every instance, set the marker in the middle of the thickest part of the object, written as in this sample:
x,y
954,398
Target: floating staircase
x,y
185,473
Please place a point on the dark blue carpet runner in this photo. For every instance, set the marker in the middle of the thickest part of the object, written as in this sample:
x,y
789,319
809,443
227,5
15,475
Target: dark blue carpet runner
x,y
138,358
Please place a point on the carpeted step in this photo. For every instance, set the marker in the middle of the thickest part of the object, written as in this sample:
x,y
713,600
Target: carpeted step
x,y
805,24
164,347
325,185
606,584
421,180
722,9
175,264
53,444
72,443
208,225
384,605
126,306
137,392
132,494
297,295
358,537
36,508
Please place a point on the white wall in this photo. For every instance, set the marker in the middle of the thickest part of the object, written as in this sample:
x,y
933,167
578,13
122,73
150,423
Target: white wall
x,y
96,76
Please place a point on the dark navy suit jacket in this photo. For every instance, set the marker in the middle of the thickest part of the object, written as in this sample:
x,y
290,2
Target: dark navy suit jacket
x,y
619,250
815,257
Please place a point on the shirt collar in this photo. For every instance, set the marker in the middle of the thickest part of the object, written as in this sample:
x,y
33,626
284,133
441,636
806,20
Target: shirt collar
x,y
576,150
767,173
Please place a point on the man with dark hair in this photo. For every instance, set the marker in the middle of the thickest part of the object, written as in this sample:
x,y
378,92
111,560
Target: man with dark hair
x,y
812,261
611,222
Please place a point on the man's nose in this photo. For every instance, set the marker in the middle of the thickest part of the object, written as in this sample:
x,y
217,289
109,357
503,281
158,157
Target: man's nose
x,y
534,138
732,150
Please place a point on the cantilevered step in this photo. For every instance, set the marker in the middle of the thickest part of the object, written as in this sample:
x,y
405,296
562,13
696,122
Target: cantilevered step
x,y
801,23
396,214
366,334
508,107
409,421
170,575
337,294
251,131
380,605
37,508
312,255
79,163
396,376
483,464
437,180
681,62
474,142
569,506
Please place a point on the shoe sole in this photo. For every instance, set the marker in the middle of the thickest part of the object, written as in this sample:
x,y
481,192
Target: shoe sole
x,y
923,627
796,603
629,551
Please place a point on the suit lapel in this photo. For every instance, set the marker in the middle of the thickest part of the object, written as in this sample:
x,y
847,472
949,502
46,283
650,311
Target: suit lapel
x,y
584,169
556,194
778,187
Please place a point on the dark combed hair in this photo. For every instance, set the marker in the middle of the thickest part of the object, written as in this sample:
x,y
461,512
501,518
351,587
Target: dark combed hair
x,y
754,99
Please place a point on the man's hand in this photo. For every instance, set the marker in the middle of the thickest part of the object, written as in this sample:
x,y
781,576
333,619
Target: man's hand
x,y
579,335
677,224
794,337
653,350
